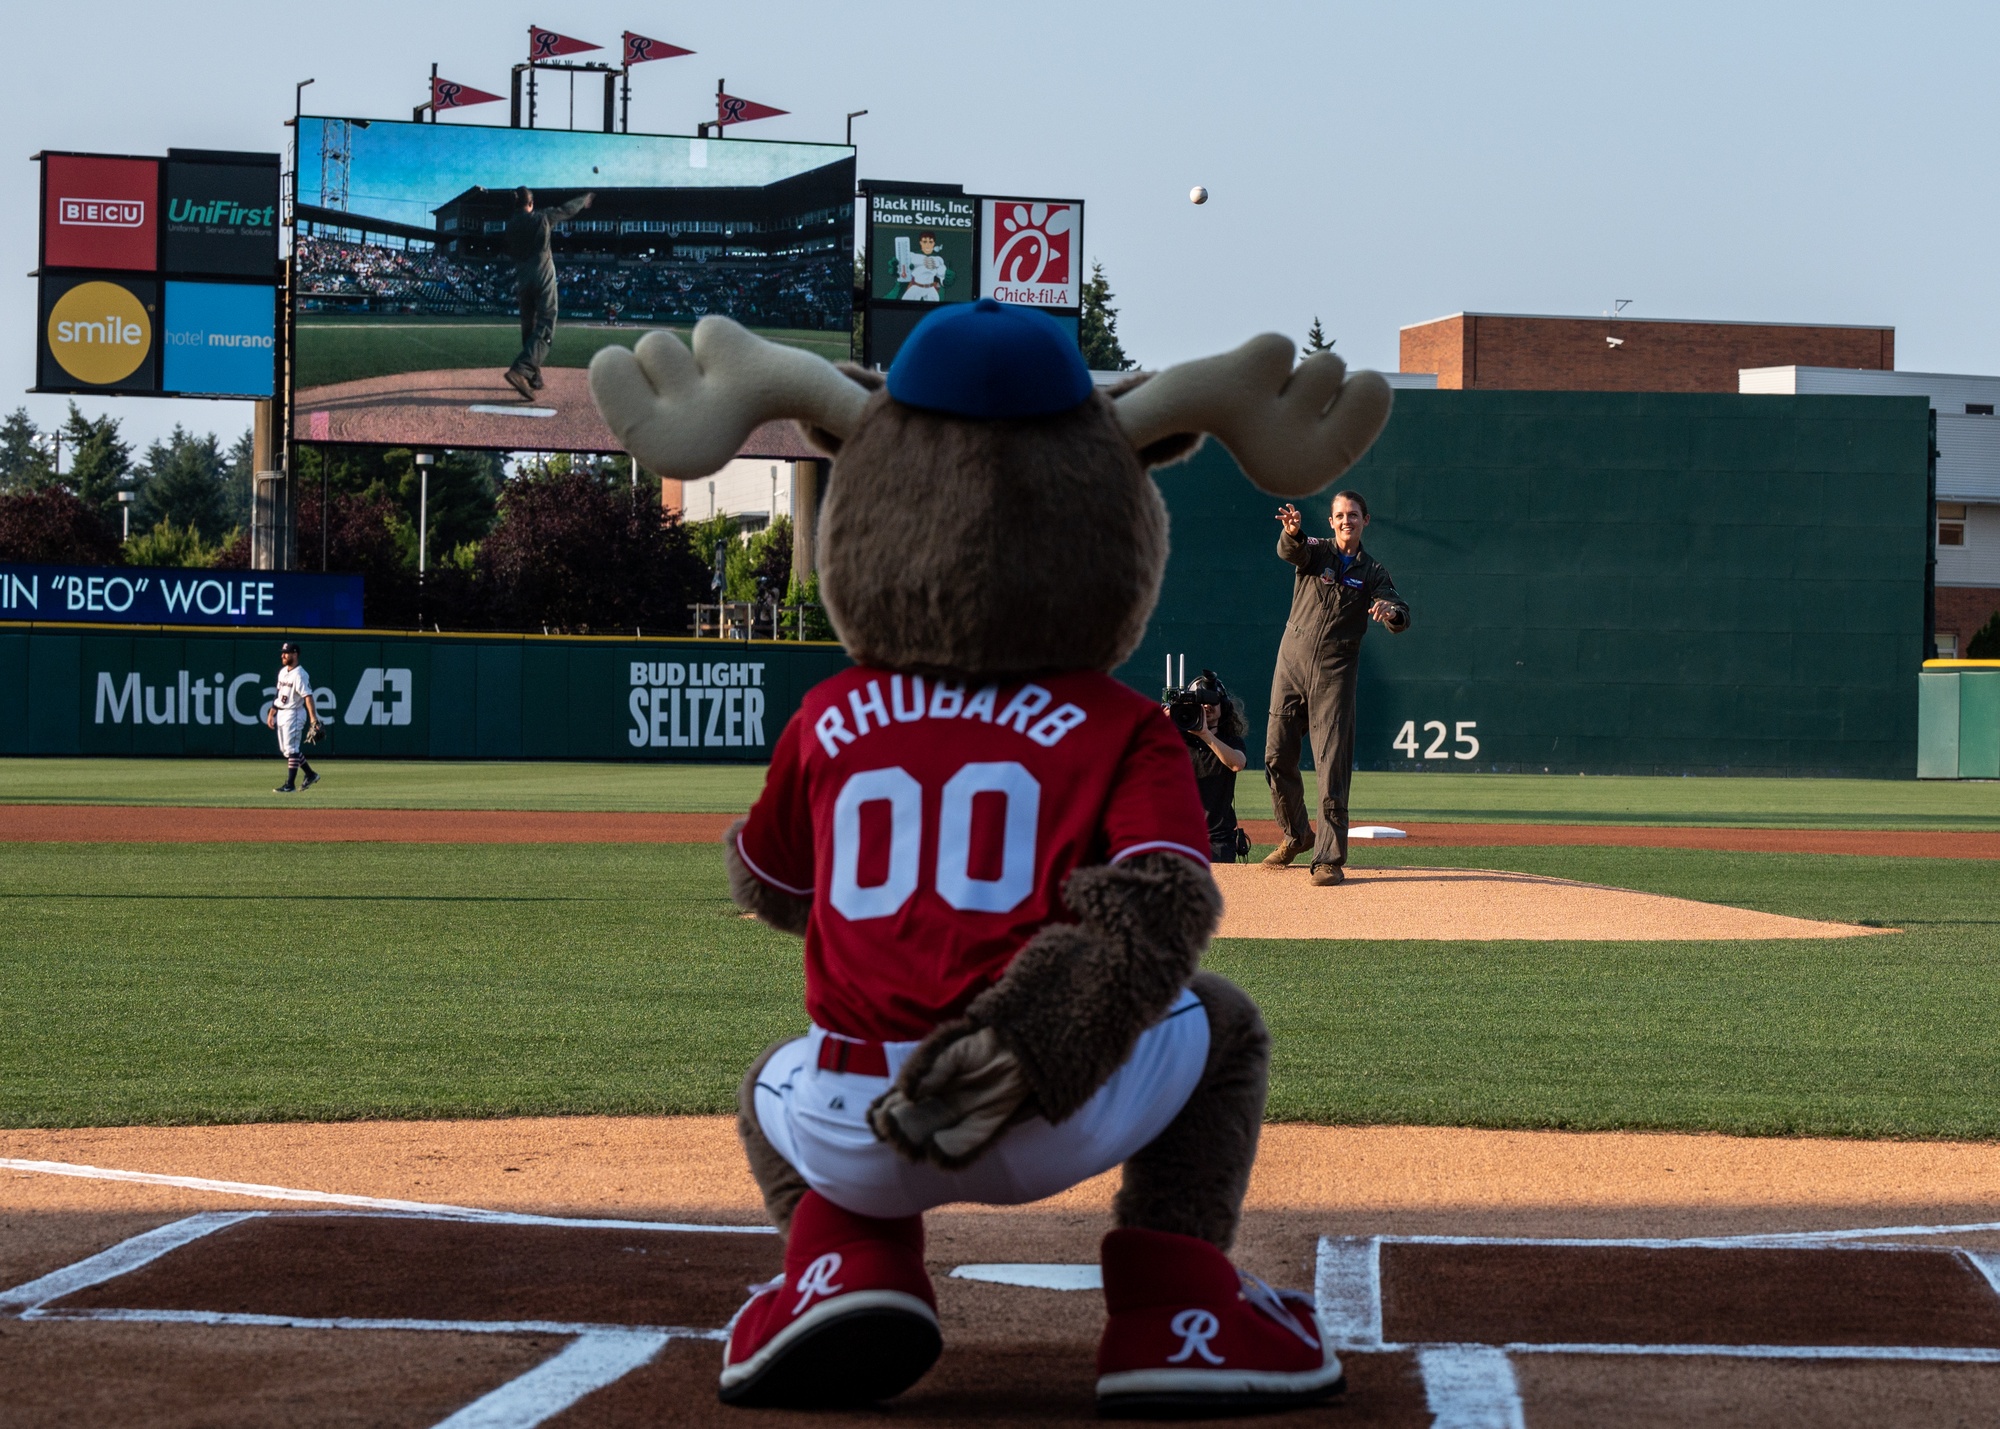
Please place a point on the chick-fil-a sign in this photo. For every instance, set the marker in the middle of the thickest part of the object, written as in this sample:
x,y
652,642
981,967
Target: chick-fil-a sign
x,y
1030,251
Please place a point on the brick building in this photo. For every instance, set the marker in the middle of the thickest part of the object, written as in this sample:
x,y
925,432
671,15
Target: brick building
x,y
1624,354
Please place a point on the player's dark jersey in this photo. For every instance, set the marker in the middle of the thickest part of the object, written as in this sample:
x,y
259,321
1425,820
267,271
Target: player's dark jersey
x,y
933,826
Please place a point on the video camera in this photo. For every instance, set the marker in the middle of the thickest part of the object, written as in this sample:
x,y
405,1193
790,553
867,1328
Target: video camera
x,y
1186,703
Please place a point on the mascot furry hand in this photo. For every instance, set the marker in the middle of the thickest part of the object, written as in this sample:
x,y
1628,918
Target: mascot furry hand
x,y
994,851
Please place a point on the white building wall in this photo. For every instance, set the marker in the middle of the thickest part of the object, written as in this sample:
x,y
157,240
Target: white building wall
x,y
1977,562
751,489
1948,391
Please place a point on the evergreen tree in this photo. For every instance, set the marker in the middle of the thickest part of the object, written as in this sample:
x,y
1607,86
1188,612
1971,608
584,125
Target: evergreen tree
x,y
239,482
1316,340
100,463
1097,330
24,465
182,484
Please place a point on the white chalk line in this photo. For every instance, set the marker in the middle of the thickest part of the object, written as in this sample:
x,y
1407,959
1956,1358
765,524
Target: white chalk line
x,y
1470,1387
253,1320
597,1355
431,1209
587,1364
1790,1240
128,1255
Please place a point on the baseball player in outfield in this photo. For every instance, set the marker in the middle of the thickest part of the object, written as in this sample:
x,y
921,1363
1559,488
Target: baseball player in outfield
x,y
290,715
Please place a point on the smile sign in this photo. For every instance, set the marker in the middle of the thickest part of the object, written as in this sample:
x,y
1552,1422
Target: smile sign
x,y
100,333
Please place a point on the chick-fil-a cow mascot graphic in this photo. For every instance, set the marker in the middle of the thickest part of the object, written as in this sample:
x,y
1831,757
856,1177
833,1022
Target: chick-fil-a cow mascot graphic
x,y
994,851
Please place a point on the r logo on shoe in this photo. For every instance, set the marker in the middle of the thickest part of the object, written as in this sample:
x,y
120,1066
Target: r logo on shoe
x,y
1196,1328
818,1280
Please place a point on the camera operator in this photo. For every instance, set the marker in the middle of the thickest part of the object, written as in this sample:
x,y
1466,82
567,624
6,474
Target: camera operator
x,y
1213,727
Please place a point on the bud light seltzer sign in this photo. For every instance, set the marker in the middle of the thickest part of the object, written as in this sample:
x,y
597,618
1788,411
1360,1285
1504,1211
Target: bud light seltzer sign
x,y
133,595
1030,251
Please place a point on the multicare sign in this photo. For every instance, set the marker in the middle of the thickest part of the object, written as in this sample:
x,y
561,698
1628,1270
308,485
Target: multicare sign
x,y
106,219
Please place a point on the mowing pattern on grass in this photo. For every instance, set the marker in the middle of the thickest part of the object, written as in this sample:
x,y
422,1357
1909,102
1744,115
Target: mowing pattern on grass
x,y
387,784
335,350
203,982
684,788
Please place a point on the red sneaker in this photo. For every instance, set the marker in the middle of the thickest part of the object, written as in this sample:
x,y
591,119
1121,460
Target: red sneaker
x,y
852,1320
1191,1335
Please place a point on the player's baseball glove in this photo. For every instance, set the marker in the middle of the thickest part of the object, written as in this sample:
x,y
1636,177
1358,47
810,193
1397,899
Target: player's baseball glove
x,y
312,733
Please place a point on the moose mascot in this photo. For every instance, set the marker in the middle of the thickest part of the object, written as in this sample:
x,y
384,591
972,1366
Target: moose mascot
x,y
993,850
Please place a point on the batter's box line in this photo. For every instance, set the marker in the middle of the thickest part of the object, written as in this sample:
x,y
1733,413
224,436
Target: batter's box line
x,y
1473,1386
430,1209
596,1356
1347,1277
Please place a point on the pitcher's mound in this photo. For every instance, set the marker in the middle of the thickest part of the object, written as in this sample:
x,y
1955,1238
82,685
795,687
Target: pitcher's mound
x,y
1481,905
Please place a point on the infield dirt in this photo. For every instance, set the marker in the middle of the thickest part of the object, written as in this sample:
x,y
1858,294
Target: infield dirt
x,y
1014,1355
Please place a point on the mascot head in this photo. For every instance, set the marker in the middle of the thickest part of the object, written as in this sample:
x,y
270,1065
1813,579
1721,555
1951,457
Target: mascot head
x,y
989,512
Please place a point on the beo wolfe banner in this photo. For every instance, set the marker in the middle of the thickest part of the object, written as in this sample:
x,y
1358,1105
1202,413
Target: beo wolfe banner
x,y
134,595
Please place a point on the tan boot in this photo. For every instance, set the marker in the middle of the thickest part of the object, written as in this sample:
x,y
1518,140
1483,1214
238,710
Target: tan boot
x,y
1284,853
1325,875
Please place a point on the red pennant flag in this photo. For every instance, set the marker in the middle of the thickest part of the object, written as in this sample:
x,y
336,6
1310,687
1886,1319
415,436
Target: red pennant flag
x,y
447,95
547,44
731,110
639,49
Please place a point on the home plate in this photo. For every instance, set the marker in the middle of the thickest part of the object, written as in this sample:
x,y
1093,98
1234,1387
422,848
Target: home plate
x,y
1035,1277
1482,904
1375,831
496,410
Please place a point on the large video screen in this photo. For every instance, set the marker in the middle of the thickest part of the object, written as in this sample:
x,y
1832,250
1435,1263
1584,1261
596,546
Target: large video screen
x,y
440,305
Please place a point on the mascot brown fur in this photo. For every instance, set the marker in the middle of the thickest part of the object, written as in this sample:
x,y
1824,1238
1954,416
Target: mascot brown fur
x,y
997,549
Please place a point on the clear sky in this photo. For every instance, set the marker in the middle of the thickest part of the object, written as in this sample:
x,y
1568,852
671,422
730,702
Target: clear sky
x,y
1374,165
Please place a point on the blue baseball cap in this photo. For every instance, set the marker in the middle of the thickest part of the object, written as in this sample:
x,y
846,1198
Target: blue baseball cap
x,y
988,360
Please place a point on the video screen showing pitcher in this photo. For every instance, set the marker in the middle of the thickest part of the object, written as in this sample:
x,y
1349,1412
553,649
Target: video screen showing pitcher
x,y
451,282
535,282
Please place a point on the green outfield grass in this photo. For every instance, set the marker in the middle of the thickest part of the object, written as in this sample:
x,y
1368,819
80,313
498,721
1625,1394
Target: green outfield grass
x,y
346,349
387,784
693,788
172,983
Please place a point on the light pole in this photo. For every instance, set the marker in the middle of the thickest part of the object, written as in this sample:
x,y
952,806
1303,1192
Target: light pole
x,y
424,460
125,513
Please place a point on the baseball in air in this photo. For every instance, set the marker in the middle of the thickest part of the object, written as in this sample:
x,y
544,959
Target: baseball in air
x,y
1197,194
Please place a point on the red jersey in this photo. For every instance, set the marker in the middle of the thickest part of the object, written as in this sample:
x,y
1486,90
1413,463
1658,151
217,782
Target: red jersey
x,y
933,826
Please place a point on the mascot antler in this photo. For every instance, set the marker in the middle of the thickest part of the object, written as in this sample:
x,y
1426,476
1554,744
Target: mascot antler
x,y
1293,431
685,414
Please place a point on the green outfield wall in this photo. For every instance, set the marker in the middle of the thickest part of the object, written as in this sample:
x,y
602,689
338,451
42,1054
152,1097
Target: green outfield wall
x,y
1600,583
175,692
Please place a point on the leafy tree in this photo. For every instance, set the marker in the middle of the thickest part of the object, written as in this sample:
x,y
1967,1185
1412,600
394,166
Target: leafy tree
x,y
1097,330
170,545
182,484
100,463
1985,642
464,487
1316,340
573,553
24,465
360,538
809,622
761,567
50,525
